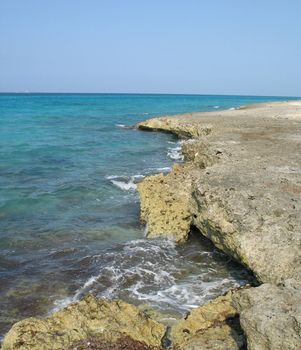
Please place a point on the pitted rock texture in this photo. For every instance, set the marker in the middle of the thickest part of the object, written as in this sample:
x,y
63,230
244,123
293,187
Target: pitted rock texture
x,y
182,130
271,316
212,326
108,320
165,204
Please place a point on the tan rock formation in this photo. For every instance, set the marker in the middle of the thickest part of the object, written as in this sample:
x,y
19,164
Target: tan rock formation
x,y
184,130
210,326
109,320
165,205
244,194
271,316
242,187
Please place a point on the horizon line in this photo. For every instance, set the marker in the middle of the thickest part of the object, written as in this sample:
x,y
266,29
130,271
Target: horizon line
x,y
136,93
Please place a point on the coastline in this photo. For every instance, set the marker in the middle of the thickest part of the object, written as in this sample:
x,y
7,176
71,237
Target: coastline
x,y
223,189
240,186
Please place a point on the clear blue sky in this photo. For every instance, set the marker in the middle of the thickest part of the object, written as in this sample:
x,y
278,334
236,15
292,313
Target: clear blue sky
x,y
165,46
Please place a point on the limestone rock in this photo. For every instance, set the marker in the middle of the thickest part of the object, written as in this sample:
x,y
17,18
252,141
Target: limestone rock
x,y
210,326
165,206
90,317
198,152
220,337
182,130
242,188
271,316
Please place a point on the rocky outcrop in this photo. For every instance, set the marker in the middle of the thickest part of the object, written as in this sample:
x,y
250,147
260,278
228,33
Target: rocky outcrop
x,y
241,187
213,326
100,324
166,207
107,320
271,316
165,201
183,130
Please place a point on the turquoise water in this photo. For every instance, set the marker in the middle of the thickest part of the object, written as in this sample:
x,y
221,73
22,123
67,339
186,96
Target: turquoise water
x,y
69,212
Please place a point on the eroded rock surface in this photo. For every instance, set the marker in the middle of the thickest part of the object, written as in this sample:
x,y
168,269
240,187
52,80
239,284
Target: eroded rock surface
x,y
271,316
108,320
242,187
183,130
165,204
212,326
244,194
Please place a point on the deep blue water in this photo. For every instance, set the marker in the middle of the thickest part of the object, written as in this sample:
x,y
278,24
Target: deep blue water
x,y
69,213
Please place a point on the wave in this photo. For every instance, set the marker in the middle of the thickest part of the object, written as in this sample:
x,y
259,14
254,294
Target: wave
x,y
216,107
165,169
175,153
125,183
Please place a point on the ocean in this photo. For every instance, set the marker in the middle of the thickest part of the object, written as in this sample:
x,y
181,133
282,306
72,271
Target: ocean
x,y
69,209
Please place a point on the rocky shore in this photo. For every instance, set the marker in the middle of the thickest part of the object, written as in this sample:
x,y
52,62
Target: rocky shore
x,y
240,186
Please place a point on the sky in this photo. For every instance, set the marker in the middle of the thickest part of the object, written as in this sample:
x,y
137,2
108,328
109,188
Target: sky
x,y
244,47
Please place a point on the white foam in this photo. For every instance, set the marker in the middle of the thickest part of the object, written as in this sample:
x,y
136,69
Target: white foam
x,y
110,177
216,107
151,271
159,169
175,153
125,183
166,168
125,186
120,126
232,109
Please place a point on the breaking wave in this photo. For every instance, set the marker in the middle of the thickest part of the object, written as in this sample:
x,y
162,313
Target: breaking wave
x,y
125,183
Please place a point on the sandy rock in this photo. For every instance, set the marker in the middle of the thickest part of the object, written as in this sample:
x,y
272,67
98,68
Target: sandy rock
x,y
109,320
271,316
242,188
165,204
182,130
210,326
220,337
197,152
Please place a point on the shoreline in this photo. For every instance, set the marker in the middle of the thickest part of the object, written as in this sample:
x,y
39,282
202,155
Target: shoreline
x,y
225,143
240,186
214,192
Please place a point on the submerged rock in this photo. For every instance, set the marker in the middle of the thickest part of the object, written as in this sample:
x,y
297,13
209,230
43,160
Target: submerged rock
x,y
91,317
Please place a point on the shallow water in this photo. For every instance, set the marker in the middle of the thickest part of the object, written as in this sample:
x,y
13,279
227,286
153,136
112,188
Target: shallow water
x,y
69,212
